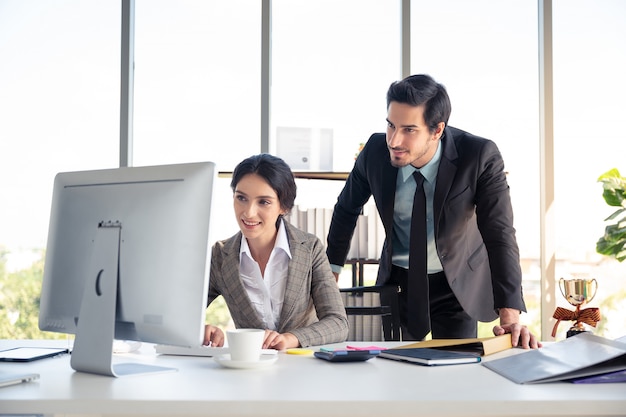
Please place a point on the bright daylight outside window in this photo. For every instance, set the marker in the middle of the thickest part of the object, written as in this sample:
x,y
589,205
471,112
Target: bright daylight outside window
x,y
198,95
59,111
332,63
589,141
494,97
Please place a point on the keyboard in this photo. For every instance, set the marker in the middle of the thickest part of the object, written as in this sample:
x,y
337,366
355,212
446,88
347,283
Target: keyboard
x,y
200,350
12,379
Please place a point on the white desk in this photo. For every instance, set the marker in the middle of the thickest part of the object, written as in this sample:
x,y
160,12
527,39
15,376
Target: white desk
x,y
297,386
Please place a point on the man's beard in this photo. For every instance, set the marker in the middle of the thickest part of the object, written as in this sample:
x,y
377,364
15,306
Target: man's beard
x,y
397,162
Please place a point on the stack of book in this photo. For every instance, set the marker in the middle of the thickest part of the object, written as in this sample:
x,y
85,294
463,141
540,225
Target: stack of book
x,y
448,351
368,237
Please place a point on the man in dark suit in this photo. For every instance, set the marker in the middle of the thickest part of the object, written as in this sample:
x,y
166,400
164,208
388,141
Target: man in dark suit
x,y
469,270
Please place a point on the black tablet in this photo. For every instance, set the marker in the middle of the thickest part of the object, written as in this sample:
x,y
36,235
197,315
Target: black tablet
x,y
28,354
346,355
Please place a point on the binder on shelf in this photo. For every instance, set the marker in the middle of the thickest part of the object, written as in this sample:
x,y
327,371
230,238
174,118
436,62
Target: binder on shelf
x,y
372,231
320,228
361,224
368,236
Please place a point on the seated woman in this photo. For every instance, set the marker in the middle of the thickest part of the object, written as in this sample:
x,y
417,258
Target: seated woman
x,y
272,275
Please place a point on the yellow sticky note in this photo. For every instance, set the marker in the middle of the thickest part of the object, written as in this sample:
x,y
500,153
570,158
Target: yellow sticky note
x,y
300,351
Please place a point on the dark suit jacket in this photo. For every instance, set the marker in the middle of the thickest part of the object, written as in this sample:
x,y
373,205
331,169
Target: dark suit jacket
x,y
472,214
312,307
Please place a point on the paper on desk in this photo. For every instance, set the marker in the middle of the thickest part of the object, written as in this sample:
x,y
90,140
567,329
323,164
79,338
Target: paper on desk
x,y
611,377
578,356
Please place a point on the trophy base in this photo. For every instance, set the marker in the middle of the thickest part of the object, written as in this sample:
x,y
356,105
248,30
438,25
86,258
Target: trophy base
x,y
574,331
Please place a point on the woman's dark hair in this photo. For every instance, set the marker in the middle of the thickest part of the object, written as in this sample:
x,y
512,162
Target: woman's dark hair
x,y
273,170
416,90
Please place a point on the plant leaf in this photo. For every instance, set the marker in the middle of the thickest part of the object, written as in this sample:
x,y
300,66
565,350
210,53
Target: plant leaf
x,y
613,242
614,187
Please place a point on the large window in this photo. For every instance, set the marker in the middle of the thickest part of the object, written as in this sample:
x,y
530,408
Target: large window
x,y
486,54
332,62
198,79
589,108
197,87
59,108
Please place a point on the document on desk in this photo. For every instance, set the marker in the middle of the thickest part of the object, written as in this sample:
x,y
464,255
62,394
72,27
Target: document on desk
x,y
578,356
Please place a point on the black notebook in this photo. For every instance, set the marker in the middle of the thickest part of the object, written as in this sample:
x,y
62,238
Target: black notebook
x,y
429,357
29,354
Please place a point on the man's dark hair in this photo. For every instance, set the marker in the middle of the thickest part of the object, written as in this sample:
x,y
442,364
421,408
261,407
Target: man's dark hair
x,y
416,90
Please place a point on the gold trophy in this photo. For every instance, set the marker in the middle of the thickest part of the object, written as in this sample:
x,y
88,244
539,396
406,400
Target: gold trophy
x,y
577,292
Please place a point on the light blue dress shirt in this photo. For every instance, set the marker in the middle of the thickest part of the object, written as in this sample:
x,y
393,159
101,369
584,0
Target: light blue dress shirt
x,y
403,207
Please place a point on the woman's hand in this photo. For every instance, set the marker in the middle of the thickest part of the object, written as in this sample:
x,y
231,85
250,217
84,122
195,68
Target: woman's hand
x,y
278,341
213,336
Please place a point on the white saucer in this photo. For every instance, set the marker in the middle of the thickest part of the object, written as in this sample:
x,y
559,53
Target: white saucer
x,y
265,360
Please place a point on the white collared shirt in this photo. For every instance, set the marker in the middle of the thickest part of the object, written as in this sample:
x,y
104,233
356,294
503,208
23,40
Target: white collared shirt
x,y
266,292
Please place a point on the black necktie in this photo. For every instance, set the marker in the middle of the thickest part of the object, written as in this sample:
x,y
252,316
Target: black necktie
x,y
418,320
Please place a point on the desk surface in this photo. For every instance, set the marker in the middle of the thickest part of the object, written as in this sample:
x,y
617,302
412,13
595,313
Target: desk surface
x,y
297,386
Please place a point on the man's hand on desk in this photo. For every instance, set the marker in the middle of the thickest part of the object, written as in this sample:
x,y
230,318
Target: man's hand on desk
x,y
520,335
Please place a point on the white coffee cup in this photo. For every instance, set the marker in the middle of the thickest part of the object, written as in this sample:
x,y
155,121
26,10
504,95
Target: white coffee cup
x,y
245,344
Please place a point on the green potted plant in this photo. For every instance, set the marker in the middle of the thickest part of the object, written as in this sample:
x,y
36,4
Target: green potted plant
x,y
613,242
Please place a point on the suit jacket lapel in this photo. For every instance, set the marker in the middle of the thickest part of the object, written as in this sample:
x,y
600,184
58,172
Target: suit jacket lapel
x,y
231,253
292,287
445,174
388,185
233,281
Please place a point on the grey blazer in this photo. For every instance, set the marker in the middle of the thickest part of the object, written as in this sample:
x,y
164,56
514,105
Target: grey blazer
x,y
312,307
473,219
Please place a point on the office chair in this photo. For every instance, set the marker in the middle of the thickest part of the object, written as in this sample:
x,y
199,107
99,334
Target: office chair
x,y
373,312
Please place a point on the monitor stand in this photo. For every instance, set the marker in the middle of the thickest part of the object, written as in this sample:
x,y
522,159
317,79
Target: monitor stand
x,y
93,345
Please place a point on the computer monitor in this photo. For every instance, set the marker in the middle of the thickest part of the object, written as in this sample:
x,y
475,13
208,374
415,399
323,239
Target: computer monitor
x,y
128,258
